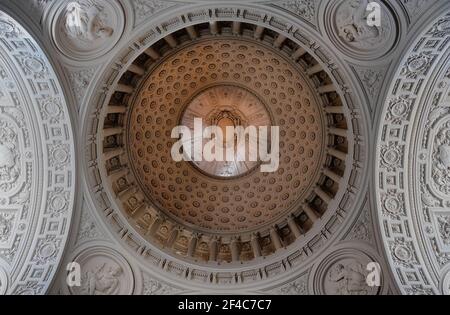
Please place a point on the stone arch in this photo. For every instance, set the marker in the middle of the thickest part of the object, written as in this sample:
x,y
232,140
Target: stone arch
x,y
37,164
411,171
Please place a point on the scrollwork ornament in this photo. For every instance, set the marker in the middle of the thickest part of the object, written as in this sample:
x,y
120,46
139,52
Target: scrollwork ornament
x,y
103,272
343,272
33,117
399,109
144,9
444,228
441,159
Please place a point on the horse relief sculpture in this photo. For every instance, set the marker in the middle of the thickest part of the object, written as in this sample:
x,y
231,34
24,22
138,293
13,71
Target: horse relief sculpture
x,y
9,157
354,27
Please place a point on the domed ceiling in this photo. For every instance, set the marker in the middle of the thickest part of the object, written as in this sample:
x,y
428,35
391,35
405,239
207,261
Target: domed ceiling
x,y
240,75
210,212
360,173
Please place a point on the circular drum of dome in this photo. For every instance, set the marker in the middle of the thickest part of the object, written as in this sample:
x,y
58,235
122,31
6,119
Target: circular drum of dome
x,y
228,74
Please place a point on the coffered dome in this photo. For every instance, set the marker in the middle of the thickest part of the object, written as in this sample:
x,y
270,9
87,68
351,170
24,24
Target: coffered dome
x,y
229,74
224,147
227,105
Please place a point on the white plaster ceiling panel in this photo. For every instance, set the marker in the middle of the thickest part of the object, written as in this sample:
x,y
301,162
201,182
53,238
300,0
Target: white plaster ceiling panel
x,y
412,164
37,165
107,48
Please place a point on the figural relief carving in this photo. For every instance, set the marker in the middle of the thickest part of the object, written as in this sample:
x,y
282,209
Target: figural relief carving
x,y
416,123
10,155
88,29
6,226
441,159
303,8
180,241
348,27
102,280
444,228
144,9
103,272
86,21
347,278
154,287
344,272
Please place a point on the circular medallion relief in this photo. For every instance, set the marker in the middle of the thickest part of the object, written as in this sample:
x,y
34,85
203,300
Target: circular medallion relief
x,y
351,28
88,29
344,273
103,272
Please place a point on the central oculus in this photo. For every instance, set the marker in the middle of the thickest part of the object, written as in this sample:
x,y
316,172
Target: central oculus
x,y
227,106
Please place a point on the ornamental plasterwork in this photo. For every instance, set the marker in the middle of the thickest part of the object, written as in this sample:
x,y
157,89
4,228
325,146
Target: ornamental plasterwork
x,y
363,227
151,258
151,286
371,80
413,196
80,80
394,201
415,7
441,160
305,9
87,29
297,287
37,174
88,229
145,9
